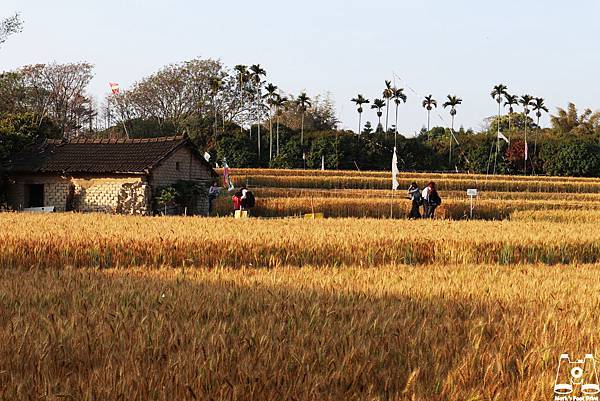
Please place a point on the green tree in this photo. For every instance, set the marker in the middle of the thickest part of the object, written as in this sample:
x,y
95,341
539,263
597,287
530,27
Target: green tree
x,y
18,130
399,98
571,156
569,121
378,104
538,106
271,96
256,74
511,100
452,102
526,101
498,93
388,93
216,85
359,100
242,77
303,102
235,148
280,104
429,103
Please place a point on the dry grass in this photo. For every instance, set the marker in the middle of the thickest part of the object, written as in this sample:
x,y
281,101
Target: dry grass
x,y
128,241
449,333
558,216
565,197
100,307
382,206
419,176
382,180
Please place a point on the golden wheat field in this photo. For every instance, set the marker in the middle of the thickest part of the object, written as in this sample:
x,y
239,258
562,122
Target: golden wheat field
x,y
363,194
440,332
276,307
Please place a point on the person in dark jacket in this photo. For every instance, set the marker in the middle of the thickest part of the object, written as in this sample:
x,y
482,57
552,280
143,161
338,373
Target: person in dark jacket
x,y
414,194
432,200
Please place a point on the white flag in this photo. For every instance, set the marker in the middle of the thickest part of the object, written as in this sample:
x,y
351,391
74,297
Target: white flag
x,y
207,156
503,137
526,151
395,183
323,163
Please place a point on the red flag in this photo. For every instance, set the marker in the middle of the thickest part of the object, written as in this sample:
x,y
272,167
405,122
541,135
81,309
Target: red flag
x,y
114,87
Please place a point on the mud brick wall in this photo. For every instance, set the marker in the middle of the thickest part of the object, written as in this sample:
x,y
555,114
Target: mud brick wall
x,y
56,194
112,195
56,191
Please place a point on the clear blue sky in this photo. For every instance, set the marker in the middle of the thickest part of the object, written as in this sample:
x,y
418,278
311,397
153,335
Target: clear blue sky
x,y
464,47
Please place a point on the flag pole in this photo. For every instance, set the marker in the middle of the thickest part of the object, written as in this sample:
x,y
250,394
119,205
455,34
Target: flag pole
x,y
392,205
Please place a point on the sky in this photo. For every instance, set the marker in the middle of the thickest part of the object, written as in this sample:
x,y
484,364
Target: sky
x,y
545,48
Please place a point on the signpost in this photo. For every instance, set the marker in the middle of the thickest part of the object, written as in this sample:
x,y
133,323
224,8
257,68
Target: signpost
x,y
471,193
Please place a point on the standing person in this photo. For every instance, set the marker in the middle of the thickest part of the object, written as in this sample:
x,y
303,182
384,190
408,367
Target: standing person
x,y
434,199
237,201
425,199
247,199
213,193
414,194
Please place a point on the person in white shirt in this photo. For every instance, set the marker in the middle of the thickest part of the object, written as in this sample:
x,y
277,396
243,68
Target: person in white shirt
x,y
431,200
425,197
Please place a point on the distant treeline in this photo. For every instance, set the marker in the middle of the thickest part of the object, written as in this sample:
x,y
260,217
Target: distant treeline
x,y
234,114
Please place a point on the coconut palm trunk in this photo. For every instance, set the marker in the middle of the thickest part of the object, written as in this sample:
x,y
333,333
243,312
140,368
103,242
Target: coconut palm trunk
x,y
277,134
451,135
526,152
258,120
271,135
497,135
302,130
387,113
428,123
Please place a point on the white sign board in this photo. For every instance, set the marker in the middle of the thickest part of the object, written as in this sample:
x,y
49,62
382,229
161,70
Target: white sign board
x,y
43,209
471,192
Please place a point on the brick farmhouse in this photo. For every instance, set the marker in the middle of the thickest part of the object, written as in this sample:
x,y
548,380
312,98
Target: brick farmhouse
x,y
102,175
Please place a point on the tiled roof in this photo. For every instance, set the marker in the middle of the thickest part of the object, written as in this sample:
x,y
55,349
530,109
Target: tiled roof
x,y
114,156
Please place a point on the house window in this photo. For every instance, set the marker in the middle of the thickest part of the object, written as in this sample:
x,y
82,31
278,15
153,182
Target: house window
x,y
177,166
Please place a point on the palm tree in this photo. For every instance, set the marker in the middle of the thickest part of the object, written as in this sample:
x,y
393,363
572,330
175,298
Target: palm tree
x,y
399,97
256,74
497,93
280,103
538,106
359,100
271,95
388,93
379,104
429,103
511,100
452,102
526,101
303,102
242,71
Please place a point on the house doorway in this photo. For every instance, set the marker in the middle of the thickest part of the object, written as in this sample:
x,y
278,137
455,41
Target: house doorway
x,y
35,196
